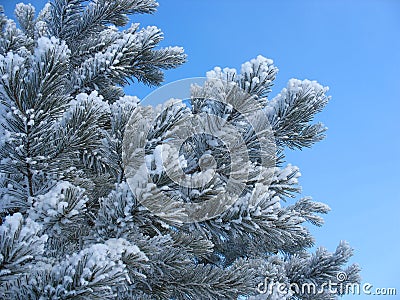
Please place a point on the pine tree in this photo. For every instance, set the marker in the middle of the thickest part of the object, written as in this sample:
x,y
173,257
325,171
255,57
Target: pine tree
x,y
92,202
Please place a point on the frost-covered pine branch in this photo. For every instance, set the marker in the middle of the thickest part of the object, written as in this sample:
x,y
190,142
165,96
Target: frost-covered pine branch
x,y
72,223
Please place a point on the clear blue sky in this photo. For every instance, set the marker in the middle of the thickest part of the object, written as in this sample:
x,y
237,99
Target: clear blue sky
x,y
354,48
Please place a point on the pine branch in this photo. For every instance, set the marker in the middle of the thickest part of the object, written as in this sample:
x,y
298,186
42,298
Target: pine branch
x,y
62,211
13,39
322,267
25,14
215,283
293,109
100,13
90,274
3,19
64,16
130,56
68,128
21,247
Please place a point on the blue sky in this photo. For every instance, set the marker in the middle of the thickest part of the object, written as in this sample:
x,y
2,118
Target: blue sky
x,y
354,48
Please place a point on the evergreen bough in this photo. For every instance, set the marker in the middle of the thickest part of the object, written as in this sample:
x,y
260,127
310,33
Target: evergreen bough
x,y
71,226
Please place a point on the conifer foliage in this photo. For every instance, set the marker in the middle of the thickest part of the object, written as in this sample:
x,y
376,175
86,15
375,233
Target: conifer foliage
x,y
73,227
